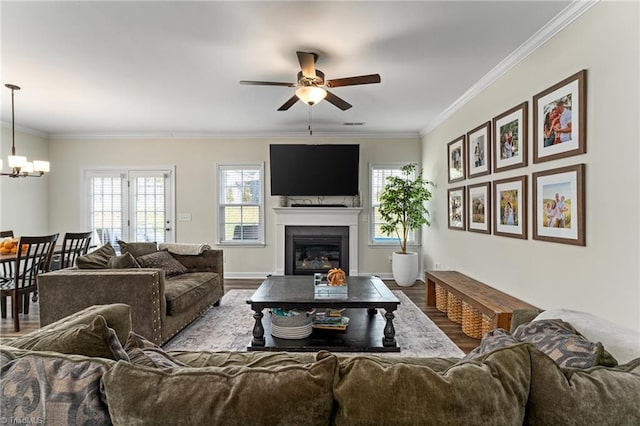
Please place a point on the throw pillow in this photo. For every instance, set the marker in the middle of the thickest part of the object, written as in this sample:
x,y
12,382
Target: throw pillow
x,y
490,390
143,352
495,339
162,260
137,249
595,396
53,389
282,395
560,341
124,261
97,259
95,339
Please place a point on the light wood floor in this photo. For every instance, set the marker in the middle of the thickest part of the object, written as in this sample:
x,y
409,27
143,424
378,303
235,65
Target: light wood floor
x,y
416,293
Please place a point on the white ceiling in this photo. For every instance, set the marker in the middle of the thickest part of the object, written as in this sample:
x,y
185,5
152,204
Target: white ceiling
x,y
172,68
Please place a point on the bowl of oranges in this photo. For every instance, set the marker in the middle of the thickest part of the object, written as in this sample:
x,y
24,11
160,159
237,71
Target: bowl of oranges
x,y
10,246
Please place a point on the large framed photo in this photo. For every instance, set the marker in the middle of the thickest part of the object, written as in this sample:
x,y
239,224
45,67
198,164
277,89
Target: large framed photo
x,y
558,212
479,150
510,139
560,119
455,159
456,208
479,208
510,207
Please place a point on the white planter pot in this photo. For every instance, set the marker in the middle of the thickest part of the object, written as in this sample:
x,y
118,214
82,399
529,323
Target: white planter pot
x,y
405,268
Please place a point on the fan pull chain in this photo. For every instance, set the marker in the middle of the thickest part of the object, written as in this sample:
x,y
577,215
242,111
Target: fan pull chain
x,y
310,121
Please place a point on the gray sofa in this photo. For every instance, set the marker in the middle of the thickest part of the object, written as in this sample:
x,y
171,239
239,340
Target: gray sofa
x,y
89,369
160,306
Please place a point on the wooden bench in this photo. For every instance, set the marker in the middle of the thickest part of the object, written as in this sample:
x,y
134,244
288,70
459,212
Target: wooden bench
x,y
495,306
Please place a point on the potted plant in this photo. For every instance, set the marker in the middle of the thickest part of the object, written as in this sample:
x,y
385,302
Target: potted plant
x,y
402,209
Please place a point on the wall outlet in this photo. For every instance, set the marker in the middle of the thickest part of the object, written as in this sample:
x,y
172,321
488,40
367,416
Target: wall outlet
x,y
184,217
390,259
437,266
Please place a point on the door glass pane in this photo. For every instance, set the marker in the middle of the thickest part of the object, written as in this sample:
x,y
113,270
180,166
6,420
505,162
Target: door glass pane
x,y
150,212
106,209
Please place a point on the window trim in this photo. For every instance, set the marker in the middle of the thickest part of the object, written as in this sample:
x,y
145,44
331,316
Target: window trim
x,y
389,241
260,242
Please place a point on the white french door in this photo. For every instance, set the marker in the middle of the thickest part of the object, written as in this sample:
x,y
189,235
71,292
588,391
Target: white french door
x,y
130,205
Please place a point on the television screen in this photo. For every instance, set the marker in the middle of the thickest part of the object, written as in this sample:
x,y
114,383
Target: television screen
x,y
320,170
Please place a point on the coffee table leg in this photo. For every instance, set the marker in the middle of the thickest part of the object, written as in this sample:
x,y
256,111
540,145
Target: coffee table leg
x,y
258,329
389,338
372,311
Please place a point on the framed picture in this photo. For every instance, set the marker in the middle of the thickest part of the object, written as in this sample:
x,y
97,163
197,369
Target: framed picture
x,y
479,208
456,208
479,150
510,138
560,119
558,209
510,207
455,159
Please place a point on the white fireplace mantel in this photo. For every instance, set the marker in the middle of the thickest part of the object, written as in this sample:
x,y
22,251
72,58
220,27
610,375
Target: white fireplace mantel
x,y
317,216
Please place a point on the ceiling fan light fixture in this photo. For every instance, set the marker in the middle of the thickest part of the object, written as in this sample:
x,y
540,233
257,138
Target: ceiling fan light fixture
x,y
311,95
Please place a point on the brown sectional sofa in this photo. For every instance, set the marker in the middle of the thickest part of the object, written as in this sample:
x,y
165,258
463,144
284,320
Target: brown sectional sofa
x,y
160,306
140,384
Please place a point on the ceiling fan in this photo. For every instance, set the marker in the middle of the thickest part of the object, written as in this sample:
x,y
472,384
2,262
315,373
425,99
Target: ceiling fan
x,y
312,86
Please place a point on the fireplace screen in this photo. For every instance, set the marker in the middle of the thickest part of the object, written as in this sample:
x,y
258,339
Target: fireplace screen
x,y
316,255
312,249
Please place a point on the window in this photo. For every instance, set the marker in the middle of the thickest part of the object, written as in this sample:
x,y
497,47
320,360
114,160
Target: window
x,y
378,179
240,204
130,205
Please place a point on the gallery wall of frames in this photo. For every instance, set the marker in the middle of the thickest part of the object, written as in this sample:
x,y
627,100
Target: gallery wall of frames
x,y
500,206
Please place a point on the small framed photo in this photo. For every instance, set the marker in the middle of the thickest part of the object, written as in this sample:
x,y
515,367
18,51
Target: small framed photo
x,y
479,150
456,208
510,207
558,210
560,119
510,139
455,159
479,208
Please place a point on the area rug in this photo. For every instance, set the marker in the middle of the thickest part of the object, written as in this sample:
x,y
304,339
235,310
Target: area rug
x,y
228,328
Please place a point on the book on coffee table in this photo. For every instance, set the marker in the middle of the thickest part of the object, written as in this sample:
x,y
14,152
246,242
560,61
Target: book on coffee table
x,y
331,323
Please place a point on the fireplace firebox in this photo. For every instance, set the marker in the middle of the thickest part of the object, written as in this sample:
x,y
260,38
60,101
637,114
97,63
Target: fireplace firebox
x,y
316,249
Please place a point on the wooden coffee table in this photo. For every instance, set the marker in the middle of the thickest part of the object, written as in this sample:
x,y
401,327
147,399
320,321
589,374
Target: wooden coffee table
x,y
367,331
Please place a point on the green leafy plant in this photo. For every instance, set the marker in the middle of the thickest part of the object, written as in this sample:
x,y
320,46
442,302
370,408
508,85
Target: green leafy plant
x,y
402,204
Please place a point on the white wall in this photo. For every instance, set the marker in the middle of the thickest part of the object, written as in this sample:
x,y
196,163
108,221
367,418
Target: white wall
x,y
24,201
196,187
603,277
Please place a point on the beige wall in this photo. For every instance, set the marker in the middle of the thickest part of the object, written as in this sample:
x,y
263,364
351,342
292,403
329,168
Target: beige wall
x,y
603,277
195,164
24,201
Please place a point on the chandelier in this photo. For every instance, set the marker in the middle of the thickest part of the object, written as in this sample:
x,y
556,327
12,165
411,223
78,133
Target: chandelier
x,y
18,164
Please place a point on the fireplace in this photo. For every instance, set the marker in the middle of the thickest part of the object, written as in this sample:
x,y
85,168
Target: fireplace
x,y
320,218
311,249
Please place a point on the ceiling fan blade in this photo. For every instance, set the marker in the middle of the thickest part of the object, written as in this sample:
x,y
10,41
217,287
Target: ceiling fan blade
x,y
307,64
337,101
289,103
267,83
352,81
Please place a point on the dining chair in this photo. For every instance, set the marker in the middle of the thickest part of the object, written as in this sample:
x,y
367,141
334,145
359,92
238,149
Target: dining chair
x,y
74,244
7,267
30,261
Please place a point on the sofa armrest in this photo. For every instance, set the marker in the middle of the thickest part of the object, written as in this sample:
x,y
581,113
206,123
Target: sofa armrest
x,y
207,261
521,316
68,291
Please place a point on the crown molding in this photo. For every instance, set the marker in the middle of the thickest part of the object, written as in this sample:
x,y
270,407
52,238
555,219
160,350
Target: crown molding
x,y
227,136
27,130
569,14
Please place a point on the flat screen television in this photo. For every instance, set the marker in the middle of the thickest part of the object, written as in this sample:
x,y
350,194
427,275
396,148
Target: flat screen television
x,y
314,170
